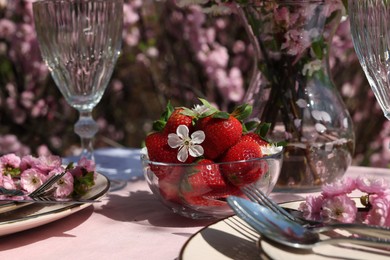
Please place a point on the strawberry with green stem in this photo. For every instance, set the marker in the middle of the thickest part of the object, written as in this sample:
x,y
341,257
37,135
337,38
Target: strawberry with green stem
x,y
222,130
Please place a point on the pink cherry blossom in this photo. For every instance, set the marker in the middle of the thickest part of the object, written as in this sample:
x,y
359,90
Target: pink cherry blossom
x,y
28,162
296,42
84,165
312,206
338,187
47,163
7,182
10,160
340,208
64,186
379,213
7,28
31,179
89,165
372,185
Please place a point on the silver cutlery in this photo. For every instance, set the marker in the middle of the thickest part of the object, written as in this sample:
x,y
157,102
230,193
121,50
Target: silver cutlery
x,y
283,231
46,200
256,195
16,199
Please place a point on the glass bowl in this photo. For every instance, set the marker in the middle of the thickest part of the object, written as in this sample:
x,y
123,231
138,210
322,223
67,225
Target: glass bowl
x,y
185,190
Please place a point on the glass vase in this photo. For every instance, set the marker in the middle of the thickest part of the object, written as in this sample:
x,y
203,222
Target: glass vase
x,y
291,88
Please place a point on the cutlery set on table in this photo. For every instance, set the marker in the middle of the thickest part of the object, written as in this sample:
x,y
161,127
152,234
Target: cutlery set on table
x,y
284,231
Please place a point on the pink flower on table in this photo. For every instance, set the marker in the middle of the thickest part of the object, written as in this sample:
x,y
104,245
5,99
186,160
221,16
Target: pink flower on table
x,y
48,163
312,206
340,208
28,162
89,165
83,166
372,185
338,187
64,186
31,179
9,164
7,182
379,213
10,160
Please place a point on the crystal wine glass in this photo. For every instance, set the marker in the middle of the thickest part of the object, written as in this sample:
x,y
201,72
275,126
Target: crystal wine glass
x,y
370,29
80,41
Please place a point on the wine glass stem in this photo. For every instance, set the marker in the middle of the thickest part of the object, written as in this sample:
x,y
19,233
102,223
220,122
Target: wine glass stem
x,y
86,128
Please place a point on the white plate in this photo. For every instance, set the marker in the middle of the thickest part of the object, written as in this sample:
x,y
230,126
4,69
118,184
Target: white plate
x,y
223,241
39,214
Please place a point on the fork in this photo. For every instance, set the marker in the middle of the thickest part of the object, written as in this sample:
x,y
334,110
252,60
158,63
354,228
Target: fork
x,y
249,250
47,187
256,195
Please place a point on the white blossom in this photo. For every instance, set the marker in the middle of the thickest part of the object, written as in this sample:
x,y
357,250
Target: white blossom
x,y
320,128
200,109
185,143
271,149
311,67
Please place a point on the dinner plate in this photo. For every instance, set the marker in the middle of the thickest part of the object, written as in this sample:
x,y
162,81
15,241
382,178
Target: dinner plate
x,y
224,240
36,215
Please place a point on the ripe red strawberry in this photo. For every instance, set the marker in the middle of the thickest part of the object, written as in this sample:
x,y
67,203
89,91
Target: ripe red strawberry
x,y
205,185
197,202
160,151
220,134
169,184
158,148
243,173
176,119
254,137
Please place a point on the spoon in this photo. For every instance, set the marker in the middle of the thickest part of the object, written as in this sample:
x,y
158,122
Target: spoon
x,y
278,229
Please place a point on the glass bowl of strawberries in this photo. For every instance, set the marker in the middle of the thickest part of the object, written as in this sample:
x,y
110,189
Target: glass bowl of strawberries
x,y
195,158
199,190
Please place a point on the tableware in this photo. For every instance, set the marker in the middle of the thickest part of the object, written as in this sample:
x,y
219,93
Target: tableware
x,y
47,200
80,41
283,231
259,197
221,241
170,183
371,38
30,216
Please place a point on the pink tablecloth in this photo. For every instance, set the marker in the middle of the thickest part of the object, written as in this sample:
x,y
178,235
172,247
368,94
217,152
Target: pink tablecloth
x,y
129,223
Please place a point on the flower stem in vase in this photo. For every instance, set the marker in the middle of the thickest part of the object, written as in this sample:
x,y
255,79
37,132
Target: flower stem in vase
x,y
291,88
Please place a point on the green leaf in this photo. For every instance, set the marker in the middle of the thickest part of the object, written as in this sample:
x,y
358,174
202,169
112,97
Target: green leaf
x,y
83,183
205,103
251,125
69,166
221,115
188,112
262,129
159,124
14,172
281,143
317,47
242,112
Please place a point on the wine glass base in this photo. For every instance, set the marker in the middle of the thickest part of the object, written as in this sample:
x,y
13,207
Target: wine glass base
x,y
116,164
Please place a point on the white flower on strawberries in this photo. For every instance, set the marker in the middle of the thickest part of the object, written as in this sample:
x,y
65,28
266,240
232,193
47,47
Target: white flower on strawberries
x,y
187,145
270,149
